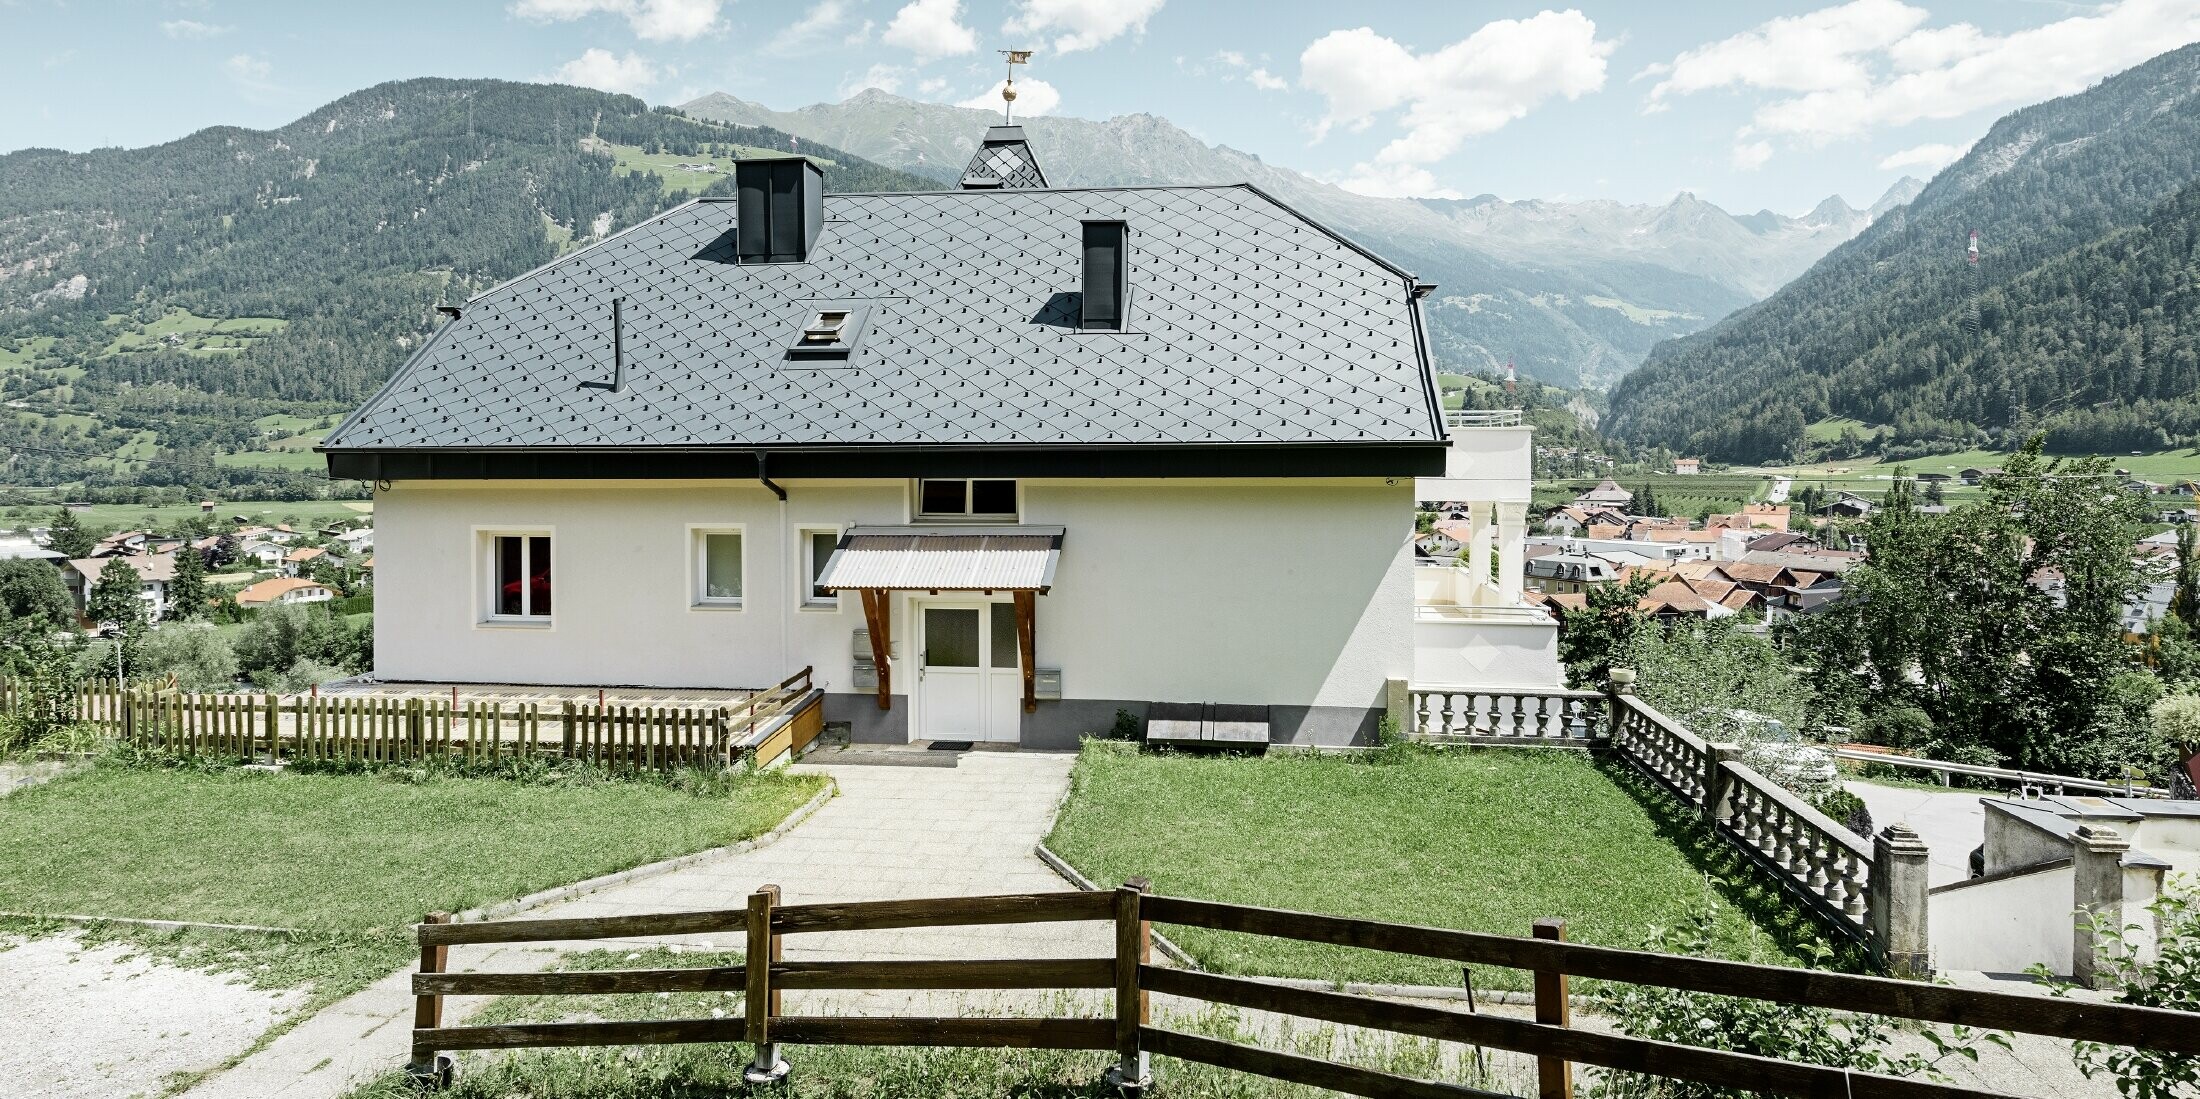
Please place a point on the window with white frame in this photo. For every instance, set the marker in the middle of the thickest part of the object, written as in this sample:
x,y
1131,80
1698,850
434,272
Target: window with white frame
x,y
966,499
817,548
718,578
519,577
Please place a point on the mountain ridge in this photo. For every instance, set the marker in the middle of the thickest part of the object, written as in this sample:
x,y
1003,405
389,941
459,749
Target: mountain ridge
x,y
1524,281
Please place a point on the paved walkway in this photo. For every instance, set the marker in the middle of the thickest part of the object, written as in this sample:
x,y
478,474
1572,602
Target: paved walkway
x,y
903,826
1952,823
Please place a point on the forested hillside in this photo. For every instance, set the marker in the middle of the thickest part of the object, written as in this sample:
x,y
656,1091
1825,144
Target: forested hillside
x,y
180,305
2077,319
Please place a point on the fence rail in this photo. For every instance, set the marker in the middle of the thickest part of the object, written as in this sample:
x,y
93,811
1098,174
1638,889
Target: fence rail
x,y
1507,715
1128,1030
388,729
2034,779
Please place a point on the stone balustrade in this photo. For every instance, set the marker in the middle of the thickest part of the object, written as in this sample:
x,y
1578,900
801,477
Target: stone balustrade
x,y
1815,856
1679,760
1509,715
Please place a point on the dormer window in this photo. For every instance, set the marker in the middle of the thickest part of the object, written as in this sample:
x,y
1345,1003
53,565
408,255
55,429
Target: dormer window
x,y
829,331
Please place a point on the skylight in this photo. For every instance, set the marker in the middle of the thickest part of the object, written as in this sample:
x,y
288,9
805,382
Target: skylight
x,y
829,331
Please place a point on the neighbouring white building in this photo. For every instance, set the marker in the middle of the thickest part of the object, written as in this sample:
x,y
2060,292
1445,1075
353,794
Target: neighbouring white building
x,y
988,461
155,571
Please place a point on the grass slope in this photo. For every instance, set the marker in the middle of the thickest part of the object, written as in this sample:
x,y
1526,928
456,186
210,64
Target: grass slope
x,y
344,852
1484,841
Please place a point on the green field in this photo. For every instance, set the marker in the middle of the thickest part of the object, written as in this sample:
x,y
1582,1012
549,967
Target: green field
x,y
190,333
290,458
1723,493
102,519
24,353
1832,427
630,160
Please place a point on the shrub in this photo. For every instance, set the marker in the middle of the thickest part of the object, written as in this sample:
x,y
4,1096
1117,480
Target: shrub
x,y
2170,979
200,659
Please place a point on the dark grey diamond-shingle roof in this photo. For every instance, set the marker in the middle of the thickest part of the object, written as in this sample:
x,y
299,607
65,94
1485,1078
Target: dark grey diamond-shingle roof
x,y
1248,324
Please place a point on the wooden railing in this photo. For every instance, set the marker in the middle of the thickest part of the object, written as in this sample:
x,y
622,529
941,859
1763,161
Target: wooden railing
x,y
397,728
1129,1032
1506,715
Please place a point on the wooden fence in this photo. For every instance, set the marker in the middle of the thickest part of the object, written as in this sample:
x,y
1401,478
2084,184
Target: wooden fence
x,y
763,727
1129,1032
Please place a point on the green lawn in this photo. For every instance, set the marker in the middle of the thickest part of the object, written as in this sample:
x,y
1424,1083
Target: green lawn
x,y
344,852
630,160
194,334
1482,840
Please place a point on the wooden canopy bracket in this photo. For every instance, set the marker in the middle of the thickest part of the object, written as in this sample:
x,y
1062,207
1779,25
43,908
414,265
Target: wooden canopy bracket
x,y
875,620
1027,603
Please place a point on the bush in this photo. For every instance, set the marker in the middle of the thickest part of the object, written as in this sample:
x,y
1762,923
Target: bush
x,y
200,659
2171,979
277,638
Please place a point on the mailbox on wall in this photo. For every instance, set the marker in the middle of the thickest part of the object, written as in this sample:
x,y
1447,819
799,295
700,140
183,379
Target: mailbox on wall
x,y
1046,683
866,676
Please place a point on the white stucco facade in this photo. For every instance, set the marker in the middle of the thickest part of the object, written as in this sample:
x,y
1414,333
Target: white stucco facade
x,y
1292,593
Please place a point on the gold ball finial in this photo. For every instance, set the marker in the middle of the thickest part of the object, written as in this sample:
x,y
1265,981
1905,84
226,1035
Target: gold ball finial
x,y
1008,92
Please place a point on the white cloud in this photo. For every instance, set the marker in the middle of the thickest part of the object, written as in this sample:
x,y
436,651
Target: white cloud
x,y
1847,71
1931,157
191,29
1392,182
827,24
932,85
1033,97
605,71
1237,66
930,29
886,78
253,76
1473,86
651,20
1810,52
1084,24
1752,155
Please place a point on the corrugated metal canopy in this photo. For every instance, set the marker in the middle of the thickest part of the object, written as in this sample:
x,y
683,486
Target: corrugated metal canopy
x,y
944,558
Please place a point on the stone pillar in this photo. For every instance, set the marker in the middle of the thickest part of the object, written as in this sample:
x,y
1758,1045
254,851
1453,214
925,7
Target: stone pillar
x,y
1478,551
1717,789
2097,892
1897,903
1621,683
1398,705
1512,552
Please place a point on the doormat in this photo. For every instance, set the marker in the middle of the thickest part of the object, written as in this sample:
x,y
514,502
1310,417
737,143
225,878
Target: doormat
x,y
951,745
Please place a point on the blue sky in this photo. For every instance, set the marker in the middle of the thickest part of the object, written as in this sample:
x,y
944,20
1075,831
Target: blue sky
x,y
1749,105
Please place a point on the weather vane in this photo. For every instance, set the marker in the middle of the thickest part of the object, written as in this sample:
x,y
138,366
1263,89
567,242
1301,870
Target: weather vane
x,y
1008,87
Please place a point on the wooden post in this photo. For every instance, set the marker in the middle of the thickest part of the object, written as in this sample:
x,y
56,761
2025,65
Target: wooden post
x,y
763,1000
1027,629
1133,948
878,620
416,727
1554,1075
428,1008
274,730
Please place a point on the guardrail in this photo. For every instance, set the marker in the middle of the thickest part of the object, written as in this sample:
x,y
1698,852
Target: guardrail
x,y
2033,779
398,729
1507,715
1130,1033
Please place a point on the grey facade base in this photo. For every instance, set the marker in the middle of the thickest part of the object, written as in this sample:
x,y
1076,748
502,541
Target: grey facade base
x,y
1060,724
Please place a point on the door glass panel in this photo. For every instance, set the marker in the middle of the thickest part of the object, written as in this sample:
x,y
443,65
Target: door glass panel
x,y
951,637
1004,634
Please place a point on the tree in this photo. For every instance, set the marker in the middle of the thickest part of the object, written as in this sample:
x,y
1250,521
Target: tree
x,y
114,598
187,589
32,592
2184,602
1598,636
1646,501
2001,620
68,537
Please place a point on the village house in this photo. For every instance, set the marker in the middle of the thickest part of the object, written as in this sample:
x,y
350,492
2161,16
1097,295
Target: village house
x,y
1607,493
155,571
984,460
284,589
263,554
1687,467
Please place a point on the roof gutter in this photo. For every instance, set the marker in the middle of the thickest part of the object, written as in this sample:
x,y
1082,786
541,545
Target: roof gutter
x,y
765,478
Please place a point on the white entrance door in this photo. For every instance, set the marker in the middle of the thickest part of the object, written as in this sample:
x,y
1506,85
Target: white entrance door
x,y
969,683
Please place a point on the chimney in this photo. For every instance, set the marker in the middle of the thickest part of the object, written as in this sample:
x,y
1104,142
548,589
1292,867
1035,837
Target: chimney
x,y
1107,275
781,207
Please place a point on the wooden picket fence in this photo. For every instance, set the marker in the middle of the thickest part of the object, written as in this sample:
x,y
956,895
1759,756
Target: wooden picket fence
x,y
1130,1033
408,728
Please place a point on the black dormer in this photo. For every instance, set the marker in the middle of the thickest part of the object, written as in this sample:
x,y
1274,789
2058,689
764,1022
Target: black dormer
x,y
1004,162
1107,276
781,207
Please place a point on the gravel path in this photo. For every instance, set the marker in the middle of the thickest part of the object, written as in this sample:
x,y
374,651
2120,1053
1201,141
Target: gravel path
x,y
113,1024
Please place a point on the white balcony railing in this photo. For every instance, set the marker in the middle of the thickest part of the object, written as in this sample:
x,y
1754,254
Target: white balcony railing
x,y
1482,417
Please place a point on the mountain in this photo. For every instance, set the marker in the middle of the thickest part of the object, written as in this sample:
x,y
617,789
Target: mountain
x,y
1574,292
2078,317
192,304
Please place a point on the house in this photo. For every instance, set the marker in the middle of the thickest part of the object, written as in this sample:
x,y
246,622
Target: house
x,y
1607,493
121,544
1687,467
361,538
284,589
300,561
263,554
155,571
206,507
1576,519
1848,505
981,459
1570,573
1977,475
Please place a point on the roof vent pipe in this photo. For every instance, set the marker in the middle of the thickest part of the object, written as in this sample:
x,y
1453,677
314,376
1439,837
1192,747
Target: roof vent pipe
x,y
781,206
